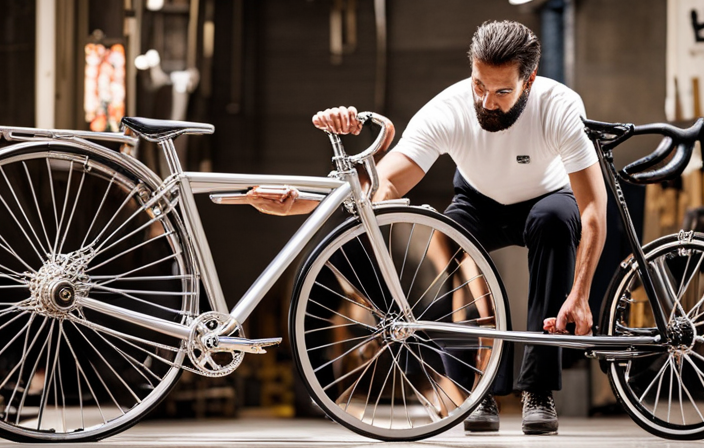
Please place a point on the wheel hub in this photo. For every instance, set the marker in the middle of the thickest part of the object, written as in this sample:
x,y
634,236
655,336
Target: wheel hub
x,y
393,332
57,285
681,332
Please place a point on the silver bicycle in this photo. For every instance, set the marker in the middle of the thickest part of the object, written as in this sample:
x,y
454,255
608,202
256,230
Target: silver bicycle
x,y
397,321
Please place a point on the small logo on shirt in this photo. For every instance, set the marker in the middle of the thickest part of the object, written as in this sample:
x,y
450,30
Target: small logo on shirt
x,y
523,159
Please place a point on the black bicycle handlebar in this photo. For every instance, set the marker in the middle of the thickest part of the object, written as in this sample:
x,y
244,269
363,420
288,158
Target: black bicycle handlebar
x,y
676,142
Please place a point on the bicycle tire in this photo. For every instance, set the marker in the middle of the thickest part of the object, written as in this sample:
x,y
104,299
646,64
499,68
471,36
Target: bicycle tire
x,y
649,387
77,226
339,300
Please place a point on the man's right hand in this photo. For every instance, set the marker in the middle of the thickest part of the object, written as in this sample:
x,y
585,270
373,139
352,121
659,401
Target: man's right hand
x,y
338,120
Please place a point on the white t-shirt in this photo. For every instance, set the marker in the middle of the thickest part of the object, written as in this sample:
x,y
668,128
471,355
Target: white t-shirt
x,y
529,159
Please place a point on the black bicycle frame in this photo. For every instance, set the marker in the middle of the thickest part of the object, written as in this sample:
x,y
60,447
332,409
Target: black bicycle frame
x,y
655,291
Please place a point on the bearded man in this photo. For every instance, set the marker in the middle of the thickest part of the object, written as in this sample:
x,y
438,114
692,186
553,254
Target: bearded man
x,y
526,175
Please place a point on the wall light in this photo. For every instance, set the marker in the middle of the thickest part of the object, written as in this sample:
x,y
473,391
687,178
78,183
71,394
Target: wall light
x,y
519,2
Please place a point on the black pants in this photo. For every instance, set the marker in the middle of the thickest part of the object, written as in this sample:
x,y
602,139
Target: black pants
x,y
550,227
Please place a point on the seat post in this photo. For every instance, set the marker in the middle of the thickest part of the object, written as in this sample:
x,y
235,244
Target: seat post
x,y
171,156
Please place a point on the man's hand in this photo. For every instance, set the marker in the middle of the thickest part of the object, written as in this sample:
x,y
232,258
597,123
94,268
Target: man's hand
x,y
574,310
272,203
338,120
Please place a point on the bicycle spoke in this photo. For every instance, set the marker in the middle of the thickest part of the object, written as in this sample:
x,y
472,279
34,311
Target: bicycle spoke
x,y
12,252
137,299
354,271
352,290
342,315
347,299
427,405
341,342
405,254
36,203
148,265
689,274
434,384
73,210
448,294
102,249
127,251
25,352
424,343
686,391
368,340
138,366
425,253
462,308
381,391
29,240
53,196
81,373
143,278
127,199
109,366
365,365
331,327
100,208
31,376
376,274
126,338
437,278
47,380
19,206
63,209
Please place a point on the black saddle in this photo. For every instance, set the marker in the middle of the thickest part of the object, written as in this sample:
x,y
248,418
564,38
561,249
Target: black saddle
x,y
160,130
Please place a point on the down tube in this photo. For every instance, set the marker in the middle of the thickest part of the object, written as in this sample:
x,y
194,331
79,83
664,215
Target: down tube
x,y
278,265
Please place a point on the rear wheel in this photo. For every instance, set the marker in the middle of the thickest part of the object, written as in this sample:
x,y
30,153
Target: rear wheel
x,y
376,381
76,226
663,392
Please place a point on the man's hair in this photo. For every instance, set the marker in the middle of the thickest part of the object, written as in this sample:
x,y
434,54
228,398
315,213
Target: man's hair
x,y
501,43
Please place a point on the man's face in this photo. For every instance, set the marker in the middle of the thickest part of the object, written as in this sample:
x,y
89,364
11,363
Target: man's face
x,y
500,95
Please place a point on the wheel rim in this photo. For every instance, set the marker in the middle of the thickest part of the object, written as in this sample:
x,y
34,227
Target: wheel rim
x,y
383,383
75,229
665,391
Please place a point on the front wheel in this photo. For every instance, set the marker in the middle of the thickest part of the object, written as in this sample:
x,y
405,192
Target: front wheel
x,y
662,392
371,379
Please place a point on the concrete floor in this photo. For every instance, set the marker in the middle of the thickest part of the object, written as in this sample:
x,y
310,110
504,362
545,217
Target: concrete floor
x,y
291,433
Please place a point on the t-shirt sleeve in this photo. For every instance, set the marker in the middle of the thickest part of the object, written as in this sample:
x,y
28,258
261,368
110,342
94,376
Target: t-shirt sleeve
x,y
575,148
427,135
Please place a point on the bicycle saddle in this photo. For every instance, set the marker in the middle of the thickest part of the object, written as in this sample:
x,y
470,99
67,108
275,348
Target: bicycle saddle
x,y
159,130
676,142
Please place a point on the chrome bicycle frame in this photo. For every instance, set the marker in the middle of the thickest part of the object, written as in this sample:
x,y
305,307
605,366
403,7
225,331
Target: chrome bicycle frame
x,y
336,192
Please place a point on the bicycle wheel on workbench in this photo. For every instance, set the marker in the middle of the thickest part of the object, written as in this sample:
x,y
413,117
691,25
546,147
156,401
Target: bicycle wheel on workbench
x,y
78,226
363,374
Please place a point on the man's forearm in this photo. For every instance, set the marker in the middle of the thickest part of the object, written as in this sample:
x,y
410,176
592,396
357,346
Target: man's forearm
x,y
589,250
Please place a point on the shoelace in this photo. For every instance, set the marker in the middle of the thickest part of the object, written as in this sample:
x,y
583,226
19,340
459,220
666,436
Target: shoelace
x,y
533,401
488,405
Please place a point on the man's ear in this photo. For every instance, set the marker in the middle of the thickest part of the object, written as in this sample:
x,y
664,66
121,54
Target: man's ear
x,y
531,78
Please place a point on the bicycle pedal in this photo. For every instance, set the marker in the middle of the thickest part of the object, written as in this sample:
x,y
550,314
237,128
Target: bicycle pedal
x,y
255,346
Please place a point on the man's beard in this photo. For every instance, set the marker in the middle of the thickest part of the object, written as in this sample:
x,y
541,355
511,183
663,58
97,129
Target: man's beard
x,y
497,120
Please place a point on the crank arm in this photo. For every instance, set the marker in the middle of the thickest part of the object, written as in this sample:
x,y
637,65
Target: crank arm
x,y
226,344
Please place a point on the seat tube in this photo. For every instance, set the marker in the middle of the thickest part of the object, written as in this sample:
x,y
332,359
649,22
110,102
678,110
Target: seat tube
x,y
386,263
198,240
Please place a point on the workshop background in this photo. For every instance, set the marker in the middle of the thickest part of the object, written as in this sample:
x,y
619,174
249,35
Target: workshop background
x,y
259,69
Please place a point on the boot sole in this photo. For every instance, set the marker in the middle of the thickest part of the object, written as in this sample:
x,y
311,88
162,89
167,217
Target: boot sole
x,y
481,426
540,429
